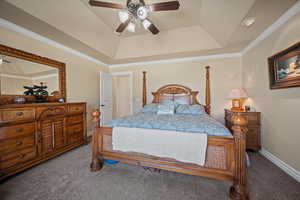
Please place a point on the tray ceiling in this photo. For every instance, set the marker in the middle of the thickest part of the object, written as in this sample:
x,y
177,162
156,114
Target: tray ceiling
x,y
199,27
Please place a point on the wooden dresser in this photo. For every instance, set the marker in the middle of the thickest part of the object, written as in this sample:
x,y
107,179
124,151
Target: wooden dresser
x,y
33,133
253,134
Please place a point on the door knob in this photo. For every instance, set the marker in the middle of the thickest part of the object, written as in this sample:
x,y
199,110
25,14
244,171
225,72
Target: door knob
x,y
102,105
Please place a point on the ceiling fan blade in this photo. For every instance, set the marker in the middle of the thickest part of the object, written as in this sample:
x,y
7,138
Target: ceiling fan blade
x,y
164,6
105,4
154,30
123,26
143,2
150,26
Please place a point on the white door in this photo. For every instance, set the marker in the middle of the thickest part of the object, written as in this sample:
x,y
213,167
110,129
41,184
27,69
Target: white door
x,y
105,97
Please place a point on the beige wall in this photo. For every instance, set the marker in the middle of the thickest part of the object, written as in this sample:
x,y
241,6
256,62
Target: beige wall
x,y
225,75
82,74
280,108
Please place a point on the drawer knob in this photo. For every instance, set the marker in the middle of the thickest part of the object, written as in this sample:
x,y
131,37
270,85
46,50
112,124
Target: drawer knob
x,y
19,143
21,155
19,114
19,129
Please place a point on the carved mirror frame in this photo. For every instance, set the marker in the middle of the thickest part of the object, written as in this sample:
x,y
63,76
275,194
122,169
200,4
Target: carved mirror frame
x,y
8,51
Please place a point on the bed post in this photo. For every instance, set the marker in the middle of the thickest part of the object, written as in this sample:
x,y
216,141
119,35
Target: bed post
x,y
238,190
97,163
207,91
144,88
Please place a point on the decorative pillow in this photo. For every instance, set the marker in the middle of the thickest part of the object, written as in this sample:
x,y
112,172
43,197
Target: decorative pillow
x,y
150,108
165,97
195,109
166,109
182,99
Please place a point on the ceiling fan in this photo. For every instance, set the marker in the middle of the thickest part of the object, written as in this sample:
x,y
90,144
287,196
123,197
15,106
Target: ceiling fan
x,y
137,11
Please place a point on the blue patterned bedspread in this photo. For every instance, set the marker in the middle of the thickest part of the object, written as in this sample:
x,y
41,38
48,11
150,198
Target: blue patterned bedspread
x,y
177,122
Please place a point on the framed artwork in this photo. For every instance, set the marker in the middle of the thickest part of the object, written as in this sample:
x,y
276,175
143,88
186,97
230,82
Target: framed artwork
x,y
284,68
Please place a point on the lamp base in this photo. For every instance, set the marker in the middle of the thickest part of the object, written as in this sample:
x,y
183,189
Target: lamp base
x,y
237,105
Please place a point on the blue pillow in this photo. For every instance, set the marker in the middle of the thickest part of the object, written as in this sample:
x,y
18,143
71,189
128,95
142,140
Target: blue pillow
x,y
195,109
150,108
166,109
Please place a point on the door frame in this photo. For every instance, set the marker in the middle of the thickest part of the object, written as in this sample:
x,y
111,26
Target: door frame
x,y
130,73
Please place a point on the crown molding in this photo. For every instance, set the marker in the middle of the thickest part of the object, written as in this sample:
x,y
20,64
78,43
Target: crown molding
x,y
6,24
295,9
276,25
176,60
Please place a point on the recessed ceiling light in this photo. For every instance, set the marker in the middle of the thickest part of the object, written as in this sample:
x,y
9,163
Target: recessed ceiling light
x,y
248,21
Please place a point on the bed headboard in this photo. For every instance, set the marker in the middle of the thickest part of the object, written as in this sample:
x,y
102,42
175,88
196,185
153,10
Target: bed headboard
x,y
179,92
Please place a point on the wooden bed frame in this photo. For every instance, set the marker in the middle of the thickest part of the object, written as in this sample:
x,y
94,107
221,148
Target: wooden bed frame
x,y
225,157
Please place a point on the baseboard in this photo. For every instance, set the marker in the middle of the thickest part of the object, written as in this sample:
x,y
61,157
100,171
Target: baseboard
x,y
282,165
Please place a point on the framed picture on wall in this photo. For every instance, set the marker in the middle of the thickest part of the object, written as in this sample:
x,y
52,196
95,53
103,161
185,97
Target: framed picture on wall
x,y
284,68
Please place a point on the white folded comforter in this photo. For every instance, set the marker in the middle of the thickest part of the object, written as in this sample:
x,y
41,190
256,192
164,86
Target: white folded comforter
x,y
182,146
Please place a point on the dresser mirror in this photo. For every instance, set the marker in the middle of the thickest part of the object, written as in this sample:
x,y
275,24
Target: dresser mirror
x,y
19,69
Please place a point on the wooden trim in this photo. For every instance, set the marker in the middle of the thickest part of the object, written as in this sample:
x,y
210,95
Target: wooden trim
x,y
8,51
144,88
235,157
207,91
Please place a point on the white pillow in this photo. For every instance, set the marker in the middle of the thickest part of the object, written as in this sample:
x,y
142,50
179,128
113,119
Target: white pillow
x,y
166,109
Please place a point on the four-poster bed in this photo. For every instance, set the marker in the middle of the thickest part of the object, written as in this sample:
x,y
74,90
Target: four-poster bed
x,y
225,155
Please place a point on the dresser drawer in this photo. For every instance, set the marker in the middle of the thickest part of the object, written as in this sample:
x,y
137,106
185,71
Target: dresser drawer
x,y
76,108
44,112
75,119
18,143
17,130
18,114
15,158
75,133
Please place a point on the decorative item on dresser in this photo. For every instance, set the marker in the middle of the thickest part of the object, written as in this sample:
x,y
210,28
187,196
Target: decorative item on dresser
x,y
253,134
33,133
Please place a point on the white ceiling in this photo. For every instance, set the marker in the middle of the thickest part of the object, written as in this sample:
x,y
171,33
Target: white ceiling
x,y
198,27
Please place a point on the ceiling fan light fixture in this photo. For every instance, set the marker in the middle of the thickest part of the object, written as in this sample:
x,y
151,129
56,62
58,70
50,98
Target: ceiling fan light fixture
x,y
131,27
123,16
146,24
142,13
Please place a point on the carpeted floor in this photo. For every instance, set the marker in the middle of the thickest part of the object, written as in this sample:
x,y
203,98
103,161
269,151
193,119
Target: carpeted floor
x,y
67,177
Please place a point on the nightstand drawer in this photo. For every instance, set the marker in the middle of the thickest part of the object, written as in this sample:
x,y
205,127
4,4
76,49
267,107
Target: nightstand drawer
x,y
252,136
253,118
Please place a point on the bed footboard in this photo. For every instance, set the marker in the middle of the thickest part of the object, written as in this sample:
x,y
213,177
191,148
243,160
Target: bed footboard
x,y
225,159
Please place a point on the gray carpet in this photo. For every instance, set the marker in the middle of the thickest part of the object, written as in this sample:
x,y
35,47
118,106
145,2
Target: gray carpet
x,y
67,177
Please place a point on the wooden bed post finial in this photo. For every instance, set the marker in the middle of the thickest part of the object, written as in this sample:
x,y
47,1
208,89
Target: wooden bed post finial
x,y
238,190
144,88
207,91
96,163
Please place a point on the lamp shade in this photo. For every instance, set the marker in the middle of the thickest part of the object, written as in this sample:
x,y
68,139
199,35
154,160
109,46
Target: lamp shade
x,y
237,94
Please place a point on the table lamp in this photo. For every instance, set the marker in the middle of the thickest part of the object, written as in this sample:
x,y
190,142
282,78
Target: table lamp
x,y
238,97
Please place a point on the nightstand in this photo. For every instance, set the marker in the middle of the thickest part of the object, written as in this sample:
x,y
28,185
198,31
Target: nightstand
x,y
253,134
